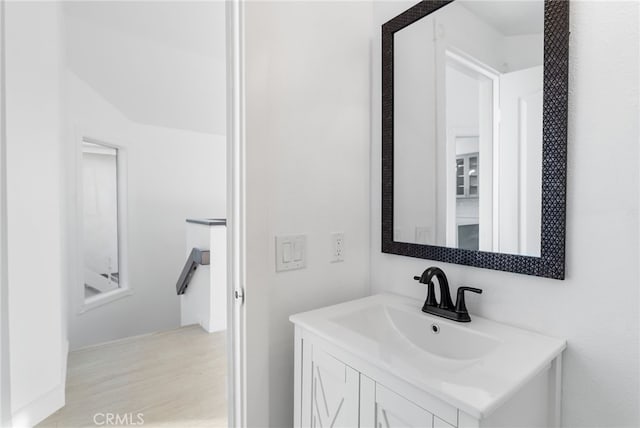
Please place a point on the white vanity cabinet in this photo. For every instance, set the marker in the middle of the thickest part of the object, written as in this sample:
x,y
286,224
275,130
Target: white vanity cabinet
x,y
358,364
334,394
391,410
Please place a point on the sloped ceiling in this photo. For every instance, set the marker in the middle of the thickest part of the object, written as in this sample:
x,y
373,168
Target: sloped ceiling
x,y
159,63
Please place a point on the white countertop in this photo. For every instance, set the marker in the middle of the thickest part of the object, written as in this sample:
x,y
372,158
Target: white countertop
x,y
473,379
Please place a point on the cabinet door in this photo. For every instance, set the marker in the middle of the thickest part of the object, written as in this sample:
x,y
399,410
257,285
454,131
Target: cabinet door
x,y
334,392
393,410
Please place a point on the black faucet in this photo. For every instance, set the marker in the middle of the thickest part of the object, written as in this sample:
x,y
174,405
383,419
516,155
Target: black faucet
x,y
445,308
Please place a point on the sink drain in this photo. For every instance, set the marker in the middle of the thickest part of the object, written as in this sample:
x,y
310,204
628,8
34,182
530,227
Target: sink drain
x,y
435,328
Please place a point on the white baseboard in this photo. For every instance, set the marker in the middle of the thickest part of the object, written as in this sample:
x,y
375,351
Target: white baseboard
x,y
65,358
45,405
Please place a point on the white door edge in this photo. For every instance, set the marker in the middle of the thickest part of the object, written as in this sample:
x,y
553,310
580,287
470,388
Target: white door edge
x,y
235,214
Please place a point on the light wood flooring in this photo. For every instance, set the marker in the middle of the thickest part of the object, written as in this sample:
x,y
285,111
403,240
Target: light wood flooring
x,y
176,378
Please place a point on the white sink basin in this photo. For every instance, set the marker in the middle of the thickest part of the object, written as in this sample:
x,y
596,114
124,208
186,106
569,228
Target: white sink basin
x,y
428,333
475,366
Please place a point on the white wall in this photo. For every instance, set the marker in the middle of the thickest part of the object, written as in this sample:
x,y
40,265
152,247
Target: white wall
x,y
520,168
35,209
415,136
595,308
172,175
307,148
524,51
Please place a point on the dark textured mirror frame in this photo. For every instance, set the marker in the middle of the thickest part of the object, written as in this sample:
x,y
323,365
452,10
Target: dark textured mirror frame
x,y
551,262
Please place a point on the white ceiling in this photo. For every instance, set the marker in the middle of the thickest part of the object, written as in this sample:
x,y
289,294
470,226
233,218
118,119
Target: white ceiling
x,y
159,63
509,17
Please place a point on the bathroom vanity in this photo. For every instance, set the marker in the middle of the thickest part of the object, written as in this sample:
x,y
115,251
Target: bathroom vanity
x,y
380,361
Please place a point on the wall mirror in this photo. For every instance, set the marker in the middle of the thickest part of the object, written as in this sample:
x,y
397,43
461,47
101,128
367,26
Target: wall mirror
x,y
474,131
102,212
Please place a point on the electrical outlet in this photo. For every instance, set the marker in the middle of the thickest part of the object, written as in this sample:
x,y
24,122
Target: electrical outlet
x,y
337,247
423,235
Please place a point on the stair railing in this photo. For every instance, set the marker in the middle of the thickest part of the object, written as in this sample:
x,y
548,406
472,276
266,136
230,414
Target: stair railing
x,y
196,257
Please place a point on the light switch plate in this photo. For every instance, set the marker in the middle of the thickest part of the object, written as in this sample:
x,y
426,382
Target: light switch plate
x,y
291,252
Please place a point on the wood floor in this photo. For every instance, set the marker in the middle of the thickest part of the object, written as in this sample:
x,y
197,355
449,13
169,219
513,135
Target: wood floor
x,y
174,379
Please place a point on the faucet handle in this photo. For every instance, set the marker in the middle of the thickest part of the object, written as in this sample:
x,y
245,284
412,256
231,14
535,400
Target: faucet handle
x,y
461,307
431,294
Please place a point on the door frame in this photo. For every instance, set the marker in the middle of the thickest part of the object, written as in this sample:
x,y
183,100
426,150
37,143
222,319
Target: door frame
x,y
236,231
5,380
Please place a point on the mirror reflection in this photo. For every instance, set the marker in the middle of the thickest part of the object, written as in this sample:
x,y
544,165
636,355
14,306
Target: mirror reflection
x,y
100,218
468,83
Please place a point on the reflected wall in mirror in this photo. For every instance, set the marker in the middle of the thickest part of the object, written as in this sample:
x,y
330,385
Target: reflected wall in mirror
x,y
474,101
100,219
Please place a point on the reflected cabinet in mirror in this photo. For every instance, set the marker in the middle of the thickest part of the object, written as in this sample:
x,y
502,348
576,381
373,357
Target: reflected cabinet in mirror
x,y
474,134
